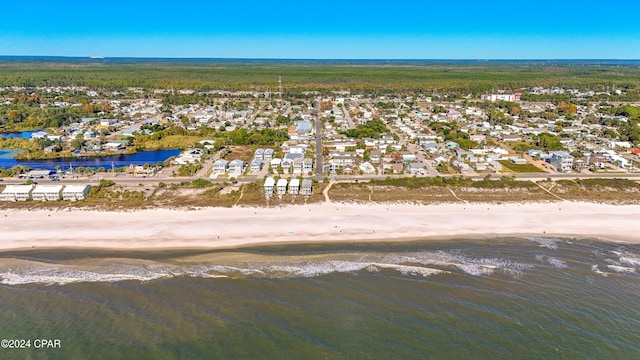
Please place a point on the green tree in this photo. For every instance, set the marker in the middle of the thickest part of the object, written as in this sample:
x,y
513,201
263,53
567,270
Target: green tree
x,y
79,142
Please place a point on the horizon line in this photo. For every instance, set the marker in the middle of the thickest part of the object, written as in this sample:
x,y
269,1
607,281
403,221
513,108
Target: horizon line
x,y
99,57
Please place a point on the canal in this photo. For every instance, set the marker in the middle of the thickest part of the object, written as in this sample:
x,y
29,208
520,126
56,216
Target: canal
x,y
7,160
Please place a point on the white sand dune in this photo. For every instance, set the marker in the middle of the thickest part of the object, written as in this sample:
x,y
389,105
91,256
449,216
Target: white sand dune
x,y
224,227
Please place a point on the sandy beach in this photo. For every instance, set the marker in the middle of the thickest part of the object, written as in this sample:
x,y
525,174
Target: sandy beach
x,y
224,227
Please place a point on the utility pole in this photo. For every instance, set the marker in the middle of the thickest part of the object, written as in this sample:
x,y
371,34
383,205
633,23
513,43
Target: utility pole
x,y
280,86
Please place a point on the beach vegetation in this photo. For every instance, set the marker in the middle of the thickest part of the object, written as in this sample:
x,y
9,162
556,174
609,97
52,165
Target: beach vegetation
x,y
201,183
189,169
520,168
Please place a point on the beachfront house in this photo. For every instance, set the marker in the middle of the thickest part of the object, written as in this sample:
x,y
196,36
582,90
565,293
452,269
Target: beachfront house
x,y
220,166
281,187
269,183
294,186
16,193
417,168
561,160
236,166
47,193
75,192
367,168
256,165
307,187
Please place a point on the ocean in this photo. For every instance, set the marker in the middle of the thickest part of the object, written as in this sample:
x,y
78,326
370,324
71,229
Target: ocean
x,y
501,298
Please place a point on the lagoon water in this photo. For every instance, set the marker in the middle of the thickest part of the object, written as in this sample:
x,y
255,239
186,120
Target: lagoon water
x,y
141,158
18,135
506,298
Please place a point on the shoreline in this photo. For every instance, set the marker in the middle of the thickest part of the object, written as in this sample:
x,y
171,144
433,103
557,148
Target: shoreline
x,y
241,227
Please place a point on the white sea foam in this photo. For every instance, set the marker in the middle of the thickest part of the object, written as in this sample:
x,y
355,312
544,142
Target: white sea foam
x,y
412,270
53,276
545,242
622,269
630,259
416,264
471,266
557,263
595,269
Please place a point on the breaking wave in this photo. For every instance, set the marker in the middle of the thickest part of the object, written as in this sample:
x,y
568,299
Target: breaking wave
x,y
622,269
407,264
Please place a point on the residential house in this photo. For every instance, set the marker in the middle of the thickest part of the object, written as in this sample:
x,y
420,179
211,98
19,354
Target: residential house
x,y
275,163
113,146
417,168
596,161
307,165
89,135
407,157
220,166
430,145
397,168
255,165
39,135
267,155
269,184
294,186
39,174
561,160
480,166
367,168
298,165
579,164
620,161
307,187
47,193
259,154
511,138
375,156
141,171
495,165
286,164
281,187
75,192
236,166
303,127
16,193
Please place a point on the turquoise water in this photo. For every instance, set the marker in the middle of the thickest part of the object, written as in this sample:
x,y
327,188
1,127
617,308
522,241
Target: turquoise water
x,y
536,298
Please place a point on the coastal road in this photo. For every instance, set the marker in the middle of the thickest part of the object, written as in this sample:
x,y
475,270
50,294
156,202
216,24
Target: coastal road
x,y
319,163
129,180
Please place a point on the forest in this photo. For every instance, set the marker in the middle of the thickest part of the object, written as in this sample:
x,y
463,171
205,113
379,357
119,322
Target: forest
x,y
458,78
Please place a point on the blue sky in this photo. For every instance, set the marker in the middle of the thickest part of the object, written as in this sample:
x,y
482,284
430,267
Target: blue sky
x,y
447,29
